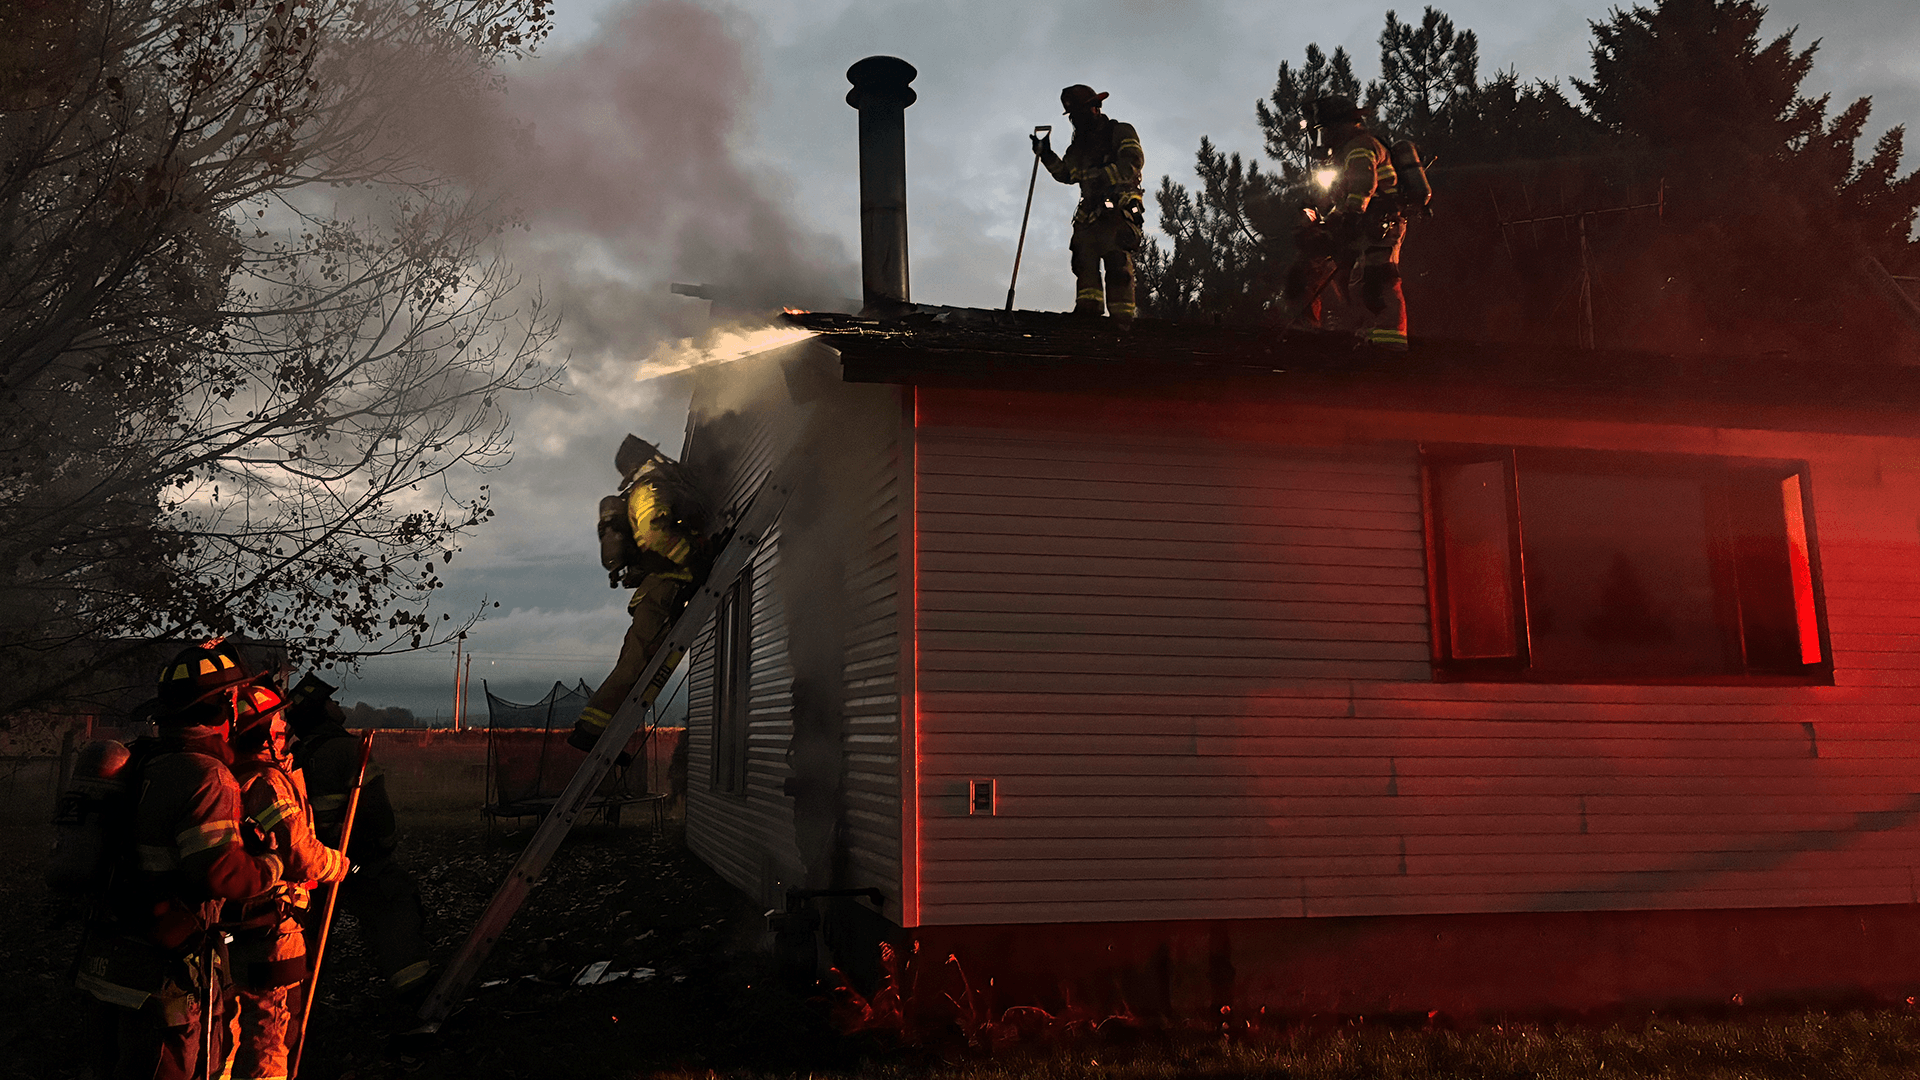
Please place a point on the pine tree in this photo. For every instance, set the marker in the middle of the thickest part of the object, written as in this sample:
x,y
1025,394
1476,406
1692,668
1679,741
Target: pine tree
x,y
1320,76
1429,76
1770,208
1232,237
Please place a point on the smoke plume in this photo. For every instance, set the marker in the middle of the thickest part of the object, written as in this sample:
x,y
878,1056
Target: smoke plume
x,y
617,161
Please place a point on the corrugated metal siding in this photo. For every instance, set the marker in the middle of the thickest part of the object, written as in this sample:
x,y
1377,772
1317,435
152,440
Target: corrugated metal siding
x,y
1199,676
750,840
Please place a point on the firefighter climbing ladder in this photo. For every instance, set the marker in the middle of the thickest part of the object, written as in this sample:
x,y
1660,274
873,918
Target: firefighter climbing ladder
x,y
762,510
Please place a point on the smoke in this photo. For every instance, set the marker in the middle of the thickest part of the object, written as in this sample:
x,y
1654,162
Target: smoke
x,y
618,163
825,541
620,157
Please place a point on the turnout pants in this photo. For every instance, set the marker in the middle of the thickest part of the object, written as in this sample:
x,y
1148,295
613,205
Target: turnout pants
x,y
1106,242
384,899
148,1043
1372,280
653,607
260,1047
1376,281
269,962
144,1014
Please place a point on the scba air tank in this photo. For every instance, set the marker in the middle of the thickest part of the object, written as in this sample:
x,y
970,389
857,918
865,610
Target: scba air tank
x,y
95,800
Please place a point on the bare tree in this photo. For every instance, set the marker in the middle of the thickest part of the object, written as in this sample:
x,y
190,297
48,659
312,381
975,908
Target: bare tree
x,y
253,341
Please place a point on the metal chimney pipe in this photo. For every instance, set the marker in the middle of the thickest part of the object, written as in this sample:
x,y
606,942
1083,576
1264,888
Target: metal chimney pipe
x,y
881,93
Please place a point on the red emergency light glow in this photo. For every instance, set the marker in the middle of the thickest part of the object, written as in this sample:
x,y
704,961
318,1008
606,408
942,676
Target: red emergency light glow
x,y
910,885
1801,566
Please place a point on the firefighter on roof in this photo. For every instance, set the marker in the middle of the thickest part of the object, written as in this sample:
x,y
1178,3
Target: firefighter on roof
x,y
269,950
152,957
381,894
1105,159
651,540
1365,225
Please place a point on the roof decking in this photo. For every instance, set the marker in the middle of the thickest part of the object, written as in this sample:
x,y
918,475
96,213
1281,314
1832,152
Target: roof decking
x,y
1047,351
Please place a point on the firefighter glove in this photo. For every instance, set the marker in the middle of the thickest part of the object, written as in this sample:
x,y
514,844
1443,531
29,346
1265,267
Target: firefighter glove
x,y
1042,144
253,839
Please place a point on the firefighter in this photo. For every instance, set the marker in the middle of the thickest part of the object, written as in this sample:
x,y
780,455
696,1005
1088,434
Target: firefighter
x,y
1105,159
652,541
269,948
153,960
1363,228
381,894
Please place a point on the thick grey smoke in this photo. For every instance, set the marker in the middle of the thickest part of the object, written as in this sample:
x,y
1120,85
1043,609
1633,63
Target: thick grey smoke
x,y
628,178
620,160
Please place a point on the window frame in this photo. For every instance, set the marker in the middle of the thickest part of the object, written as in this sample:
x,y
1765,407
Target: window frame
x,y
732,685
1709,469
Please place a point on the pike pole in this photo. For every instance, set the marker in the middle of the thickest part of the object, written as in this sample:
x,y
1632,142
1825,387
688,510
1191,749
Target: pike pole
x,y
1022,245
333,897
209,954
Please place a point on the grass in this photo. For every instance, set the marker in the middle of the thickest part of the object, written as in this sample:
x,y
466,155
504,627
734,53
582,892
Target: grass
x,y
1877,1045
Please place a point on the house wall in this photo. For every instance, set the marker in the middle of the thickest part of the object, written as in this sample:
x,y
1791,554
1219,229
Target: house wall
x,y
849,460
1188,640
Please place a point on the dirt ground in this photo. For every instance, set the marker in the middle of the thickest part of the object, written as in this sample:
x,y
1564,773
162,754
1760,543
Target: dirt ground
x,y
624,895
709,1009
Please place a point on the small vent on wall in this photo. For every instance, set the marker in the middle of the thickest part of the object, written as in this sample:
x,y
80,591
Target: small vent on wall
x,y
980,798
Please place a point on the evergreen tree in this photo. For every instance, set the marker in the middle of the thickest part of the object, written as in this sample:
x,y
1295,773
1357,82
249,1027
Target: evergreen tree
x,y
1231,238
1223,259
1770,209
1429,76
1286,140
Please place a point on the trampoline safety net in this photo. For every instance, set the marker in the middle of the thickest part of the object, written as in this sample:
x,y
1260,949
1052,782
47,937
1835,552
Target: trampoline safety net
x,y
528,760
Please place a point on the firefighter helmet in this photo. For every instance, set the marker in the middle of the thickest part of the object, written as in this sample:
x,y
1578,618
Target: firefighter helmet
x,y
307,703
197,673
1333,109
633,453
255,706
1080,96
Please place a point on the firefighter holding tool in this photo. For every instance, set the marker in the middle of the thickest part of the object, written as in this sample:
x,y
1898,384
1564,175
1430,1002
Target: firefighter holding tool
x,y
154,959
269,943
1373,187
1105,159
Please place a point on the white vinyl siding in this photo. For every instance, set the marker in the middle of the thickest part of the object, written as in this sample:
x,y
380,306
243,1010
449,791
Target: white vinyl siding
x,y
1198,672
750,840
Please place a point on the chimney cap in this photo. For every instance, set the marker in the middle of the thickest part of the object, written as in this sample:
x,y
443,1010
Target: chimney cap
x,y
882,77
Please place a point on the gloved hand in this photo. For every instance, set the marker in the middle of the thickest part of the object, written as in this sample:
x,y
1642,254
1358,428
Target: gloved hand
x,y
253,840
1042,144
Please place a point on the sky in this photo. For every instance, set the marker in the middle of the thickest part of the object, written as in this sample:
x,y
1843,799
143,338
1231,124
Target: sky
x,y
706,142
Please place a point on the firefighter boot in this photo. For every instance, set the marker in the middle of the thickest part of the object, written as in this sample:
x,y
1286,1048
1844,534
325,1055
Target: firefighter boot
x,y
1119,287
587,729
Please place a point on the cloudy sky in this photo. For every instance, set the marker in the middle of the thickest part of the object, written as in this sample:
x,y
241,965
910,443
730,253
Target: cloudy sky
x,y
698,141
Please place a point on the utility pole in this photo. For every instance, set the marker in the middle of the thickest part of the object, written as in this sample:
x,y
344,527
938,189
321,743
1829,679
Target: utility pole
x,y
459,686
1580,219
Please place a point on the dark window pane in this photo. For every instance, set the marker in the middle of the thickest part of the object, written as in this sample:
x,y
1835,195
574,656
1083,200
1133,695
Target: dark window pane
x,y
1619,582
1757,536
1476,549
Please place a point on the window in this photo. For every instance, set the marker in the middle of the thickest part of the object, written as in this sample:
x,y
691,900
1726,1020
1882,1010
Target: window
x,y
1558,566
732,676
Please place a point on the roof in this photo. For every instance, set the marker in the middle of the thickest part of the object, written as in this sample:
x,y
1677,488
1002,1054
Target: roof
x,y
1045,351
